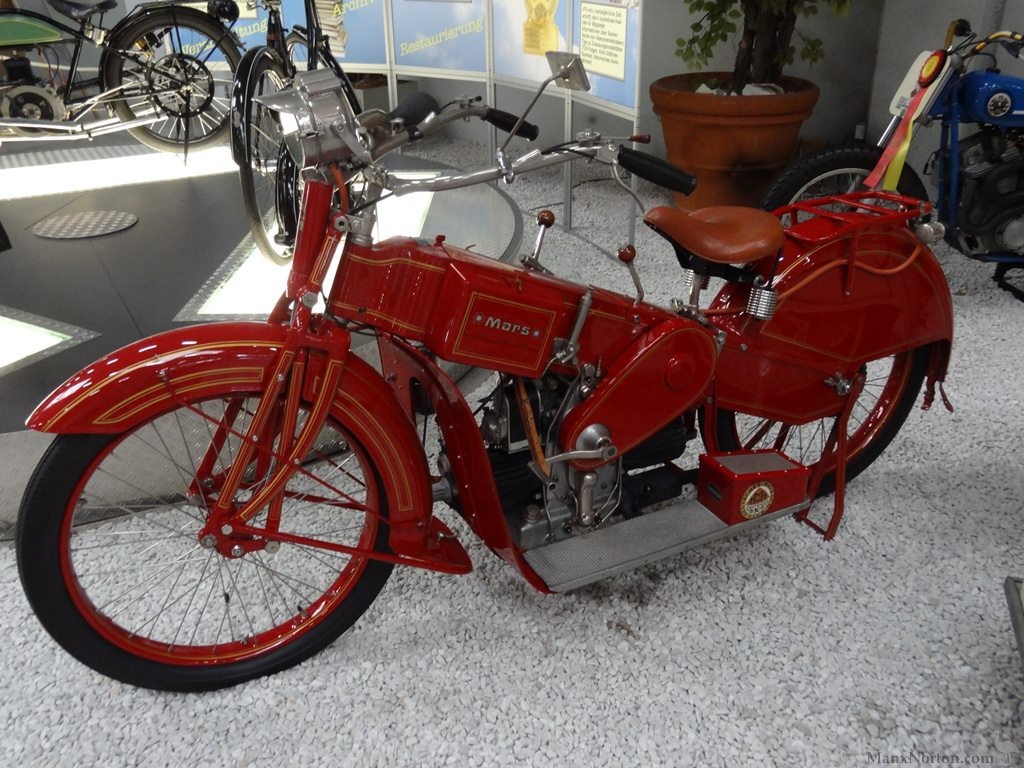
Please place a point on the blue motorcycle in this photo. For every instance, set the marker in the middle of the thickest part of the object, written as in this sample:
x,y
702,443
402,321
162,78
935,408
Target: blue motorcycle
x,y
980,177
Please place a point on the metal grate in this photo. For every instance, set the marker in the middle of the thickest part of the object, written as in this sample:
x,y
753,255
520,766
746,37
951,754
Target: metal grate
x,y
73,226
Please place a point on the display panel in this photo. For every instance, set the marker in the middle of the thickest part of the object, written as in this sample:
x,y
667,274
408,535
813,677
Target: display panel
x,y
523,32
607,36
440,34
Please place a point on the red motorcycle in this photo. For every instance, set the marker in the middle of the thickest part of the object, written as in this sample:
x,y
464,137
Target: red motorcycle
x,y
223,501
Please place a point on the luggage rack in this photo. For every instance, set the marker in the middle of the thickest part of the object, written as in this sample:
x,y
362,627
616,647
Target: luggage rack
x,y
856,211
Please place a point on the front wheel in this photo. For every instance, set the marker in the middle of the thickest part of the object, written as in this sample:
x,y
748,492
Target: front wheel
x,y
173,67
835,171
112,563
890,389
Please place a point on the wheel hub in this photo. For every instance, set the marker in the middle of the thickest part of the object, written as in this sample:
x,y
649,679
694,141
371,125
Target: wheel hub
x,y
183,85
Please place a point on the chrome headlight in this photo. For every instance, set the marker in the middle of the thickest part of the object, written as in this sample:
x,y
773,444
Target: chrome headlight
x,y
317,120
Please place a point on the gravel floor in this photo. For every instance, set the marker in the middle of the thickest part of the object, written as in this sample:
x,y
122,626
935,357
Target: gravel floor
x,y
774,648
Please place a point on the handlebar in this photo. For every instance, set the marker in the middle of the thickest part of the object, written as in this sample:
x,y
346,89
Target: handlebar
x,y
644,165
507,122
327,133
656,170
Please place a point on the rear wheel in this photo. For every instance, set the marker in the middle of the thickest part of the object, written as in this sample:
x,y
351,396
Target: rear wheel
x,y
890,390
174,66
111,560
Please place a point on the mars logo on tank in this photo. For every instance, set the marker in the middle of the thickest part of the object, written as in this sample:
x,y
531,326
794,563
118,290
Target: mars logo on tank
x,y
489,321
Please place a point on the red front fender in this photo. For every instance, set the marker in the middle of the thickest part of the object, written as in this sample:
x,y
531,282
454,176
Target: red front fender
x,y
142,380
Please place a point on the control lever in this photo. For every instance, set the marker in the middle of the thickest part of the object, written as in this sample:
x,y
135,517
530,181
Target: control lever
x,y
627,254
544,221
604,453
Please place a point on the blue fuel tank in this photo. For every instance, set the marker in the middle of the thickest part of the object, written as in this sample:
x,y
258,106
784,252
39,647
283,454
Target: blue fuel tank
x,y
993,98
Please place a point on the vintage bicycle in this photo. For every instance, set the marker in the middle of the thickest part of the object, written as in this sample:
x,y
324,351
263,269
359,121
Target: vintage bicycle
x,y
164,75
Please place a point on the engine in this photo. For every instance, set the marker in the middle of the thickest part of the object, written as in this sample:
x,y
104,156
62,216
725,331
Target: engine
x,y
23,96
991,214
568,501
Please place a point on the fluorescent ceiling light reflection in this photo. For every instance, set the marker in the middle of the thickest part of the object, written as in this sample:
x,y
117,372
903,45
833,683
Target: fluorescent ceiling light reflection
x,y
85,175
253,287
22,340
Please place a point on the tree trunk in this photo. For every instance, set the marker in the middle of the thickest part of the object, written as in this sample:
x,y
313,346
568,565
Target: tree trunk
x,y
785,37
765,51
745,51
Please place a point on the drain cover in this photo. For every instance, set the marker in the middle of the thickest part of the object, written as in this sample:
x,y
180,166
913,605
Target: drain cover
x,y
84,224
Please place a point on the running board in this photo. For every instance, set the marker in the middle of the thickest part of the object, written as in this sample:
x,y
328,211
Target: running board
x,y
589,557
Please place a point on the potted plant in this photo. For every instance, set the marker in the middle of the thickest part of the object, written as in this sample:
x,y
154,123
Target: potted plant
x,y
736,143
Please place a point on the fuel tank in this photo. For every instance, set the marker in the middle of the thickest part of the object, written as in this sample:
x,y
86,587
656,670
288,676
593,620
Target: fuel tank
x,y
19,30
471,309
994,98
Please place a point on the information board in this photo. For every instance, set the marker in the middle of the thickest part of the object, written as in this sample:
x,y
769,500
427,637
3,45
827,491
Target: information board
x,y
440,34
523,32
607,36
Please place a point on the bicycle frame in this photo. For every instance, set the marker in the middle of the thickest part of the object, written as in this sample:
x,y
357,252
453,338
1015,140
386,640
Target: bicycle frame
x,y
317,45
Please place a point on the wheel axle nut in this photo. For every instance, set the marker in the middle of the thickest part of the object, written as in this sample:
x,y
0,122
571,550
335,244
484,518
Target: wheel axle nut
x,y
237,550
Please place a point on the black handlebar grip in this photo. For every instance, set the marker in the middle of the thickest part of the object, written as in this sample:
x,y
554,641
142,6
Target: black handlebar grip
x,y
506,121
656,170
414,108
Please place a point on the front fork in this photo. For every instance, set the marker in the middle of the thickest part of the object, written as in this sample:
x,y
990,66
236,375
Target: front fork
x,y
290,379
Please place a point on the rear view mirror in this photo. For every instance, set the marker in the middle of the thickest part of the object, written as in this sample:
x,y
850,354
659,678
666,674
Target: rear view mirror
x,y
568,70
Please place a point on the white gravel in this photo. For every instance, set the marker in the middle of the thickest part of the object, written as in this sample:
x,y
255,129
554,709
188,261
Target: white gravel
x,y
773,648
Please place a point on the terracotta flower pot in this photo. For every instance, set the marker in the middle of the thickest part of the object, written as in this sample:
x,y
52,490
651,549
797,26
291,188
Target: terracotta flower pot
x,y
734,145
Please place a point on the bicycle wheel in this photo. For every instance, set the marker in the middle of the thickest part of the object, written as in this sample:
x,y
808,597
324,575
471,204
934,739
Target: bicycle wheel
x,y
889,392
269,176
111,562
835,171
174,66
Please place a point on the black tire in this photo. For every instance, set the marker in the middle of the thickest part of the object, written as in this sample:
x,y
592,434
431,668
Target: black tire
x,y
269,177
834,171
149,58
298,52
886,400
110,560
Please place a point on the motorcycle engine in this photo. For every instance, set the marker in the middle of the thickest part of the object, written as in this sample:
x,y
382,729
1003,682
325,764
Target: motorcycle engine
x,y
991,214
23,96
573,501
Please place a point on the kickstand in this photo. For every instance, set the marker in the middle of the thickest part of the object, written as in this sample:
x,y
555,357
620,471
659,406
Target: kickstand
x,y
837,440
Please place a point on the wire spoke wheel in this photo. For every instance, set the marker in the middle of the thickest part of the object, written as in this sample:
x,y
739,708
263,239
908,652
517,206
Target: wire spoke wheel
x,y
116,568
175,69
890,390
836,171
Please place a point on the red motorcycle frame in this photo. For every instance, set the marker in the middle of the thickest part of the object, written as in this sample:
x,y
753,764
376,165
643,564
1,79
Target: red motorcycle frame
x,y
786,340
